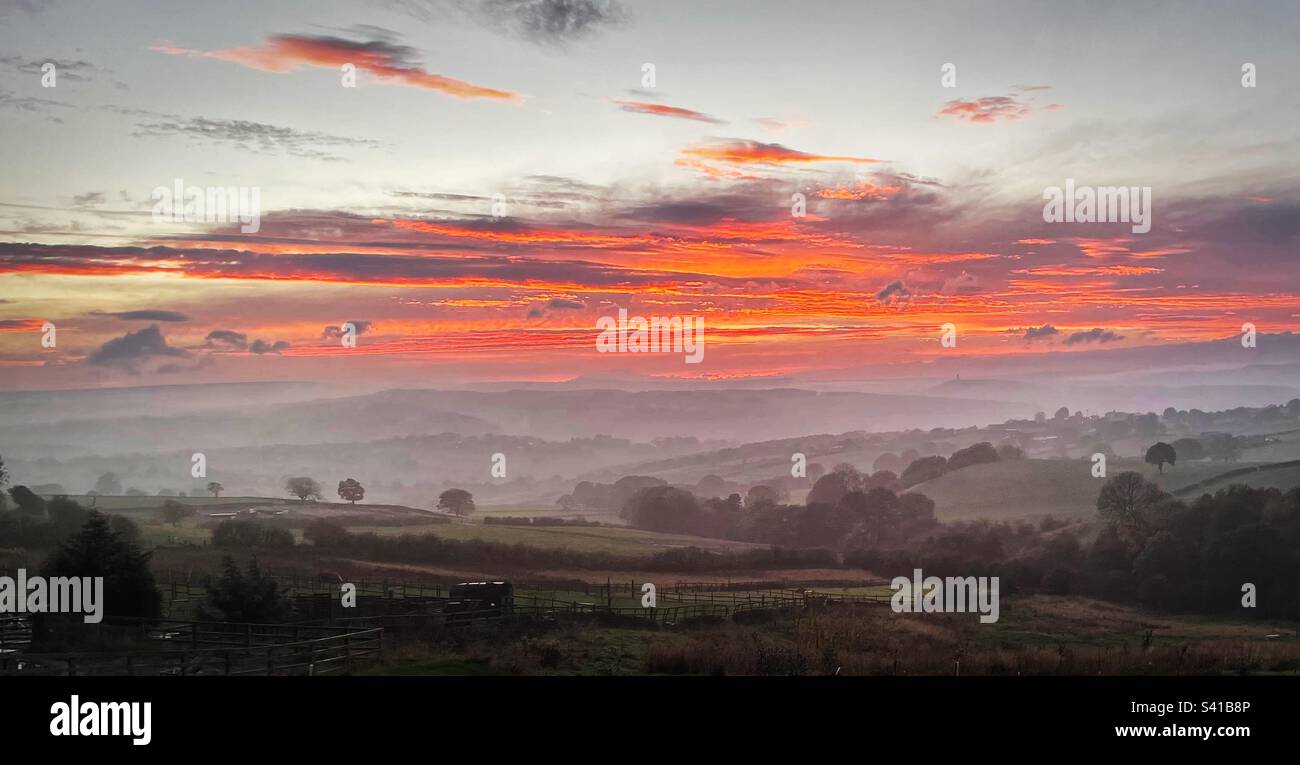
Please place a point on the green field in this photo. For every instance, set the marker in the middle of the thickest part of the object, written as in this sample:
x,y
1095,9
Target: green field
x,y
127,505
1025,488
616,540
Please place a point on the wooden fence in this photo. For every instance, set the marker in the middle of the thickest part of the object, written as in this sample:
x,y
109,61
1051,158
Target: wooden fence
x,y
220,648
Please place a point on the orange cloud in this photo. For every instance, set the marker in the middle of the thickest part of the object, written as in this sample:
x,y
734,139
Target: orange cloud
x,y
743,152
286,53
860,191
663,110
991,109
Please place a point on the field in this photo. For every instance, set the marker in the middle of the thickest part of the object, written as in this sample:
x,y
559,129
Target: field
x,y
1026,488
390,520
618,540
1036,635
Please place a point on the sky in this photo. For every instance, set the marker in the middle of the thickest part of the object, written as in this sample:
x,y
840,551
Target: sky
x,y
825,184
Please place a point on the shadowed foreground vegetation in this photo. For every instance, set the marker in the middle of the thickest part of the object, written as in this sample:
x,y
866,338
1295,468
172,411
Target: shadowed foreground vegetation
x,y
1037,635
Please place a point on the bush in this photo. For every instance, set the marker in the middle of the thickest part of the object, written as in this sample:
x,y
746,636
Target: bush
x,y
240,597
976,454
250,535
923,469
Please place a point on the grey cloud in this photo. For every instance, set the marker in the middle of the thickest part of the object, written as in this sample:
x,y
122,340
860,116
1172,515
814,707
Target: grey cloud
x,y
895,291
89,198
261,346
1041,333
553,22
1096,334
226,338
133,349
147,314
252,136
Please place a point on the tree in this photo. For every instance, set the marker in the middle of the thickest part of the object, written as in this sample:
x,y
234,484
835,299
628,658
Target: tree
x,y
351,490
324,533
831,488
1160,453
1223,446
1189,449
4,481
304,488
28,501
174,512
762,494
664,508
923,469
975,454
1010,452
1062,414
125,528
236,532
456,501
888,461
215,488
108,484
66,516
246,597
96,550
1126,501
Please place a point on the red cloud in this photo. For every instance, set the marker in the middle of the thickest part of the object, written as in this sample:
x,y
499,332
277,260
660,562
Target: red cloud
x,y
662,110
991,109
741,152
859,191
286,53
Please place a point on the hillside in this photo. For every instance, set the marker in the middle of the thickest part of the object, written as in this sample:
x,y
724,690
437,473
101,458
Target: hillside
x,y
1025,488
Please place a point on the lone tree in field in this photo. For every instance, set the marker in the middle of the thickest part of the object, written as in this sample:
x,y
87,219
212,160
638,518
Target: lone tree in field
x,y
215,488
1160,453
108,484
174,512
456,501
352,490
303,488
1127,500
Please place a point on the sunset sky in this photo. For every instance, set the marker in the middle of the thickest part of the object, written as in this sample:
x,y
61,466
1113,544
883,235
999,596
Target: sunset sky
x,y
673,198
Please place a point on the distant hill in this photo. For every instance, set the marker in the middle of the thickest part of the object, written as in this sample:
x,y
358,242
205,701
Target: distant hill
x,y
1024,488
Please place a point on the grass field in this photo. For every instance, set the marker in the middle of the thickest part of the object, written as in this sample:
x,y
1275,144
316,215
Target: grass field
x,y
619,540
1036,635
544,511
126,505
1024,488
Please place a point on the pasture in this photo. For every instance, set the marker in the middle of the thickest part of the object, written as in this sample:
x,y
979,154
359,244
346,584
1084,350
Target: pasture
x,y
1015,489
